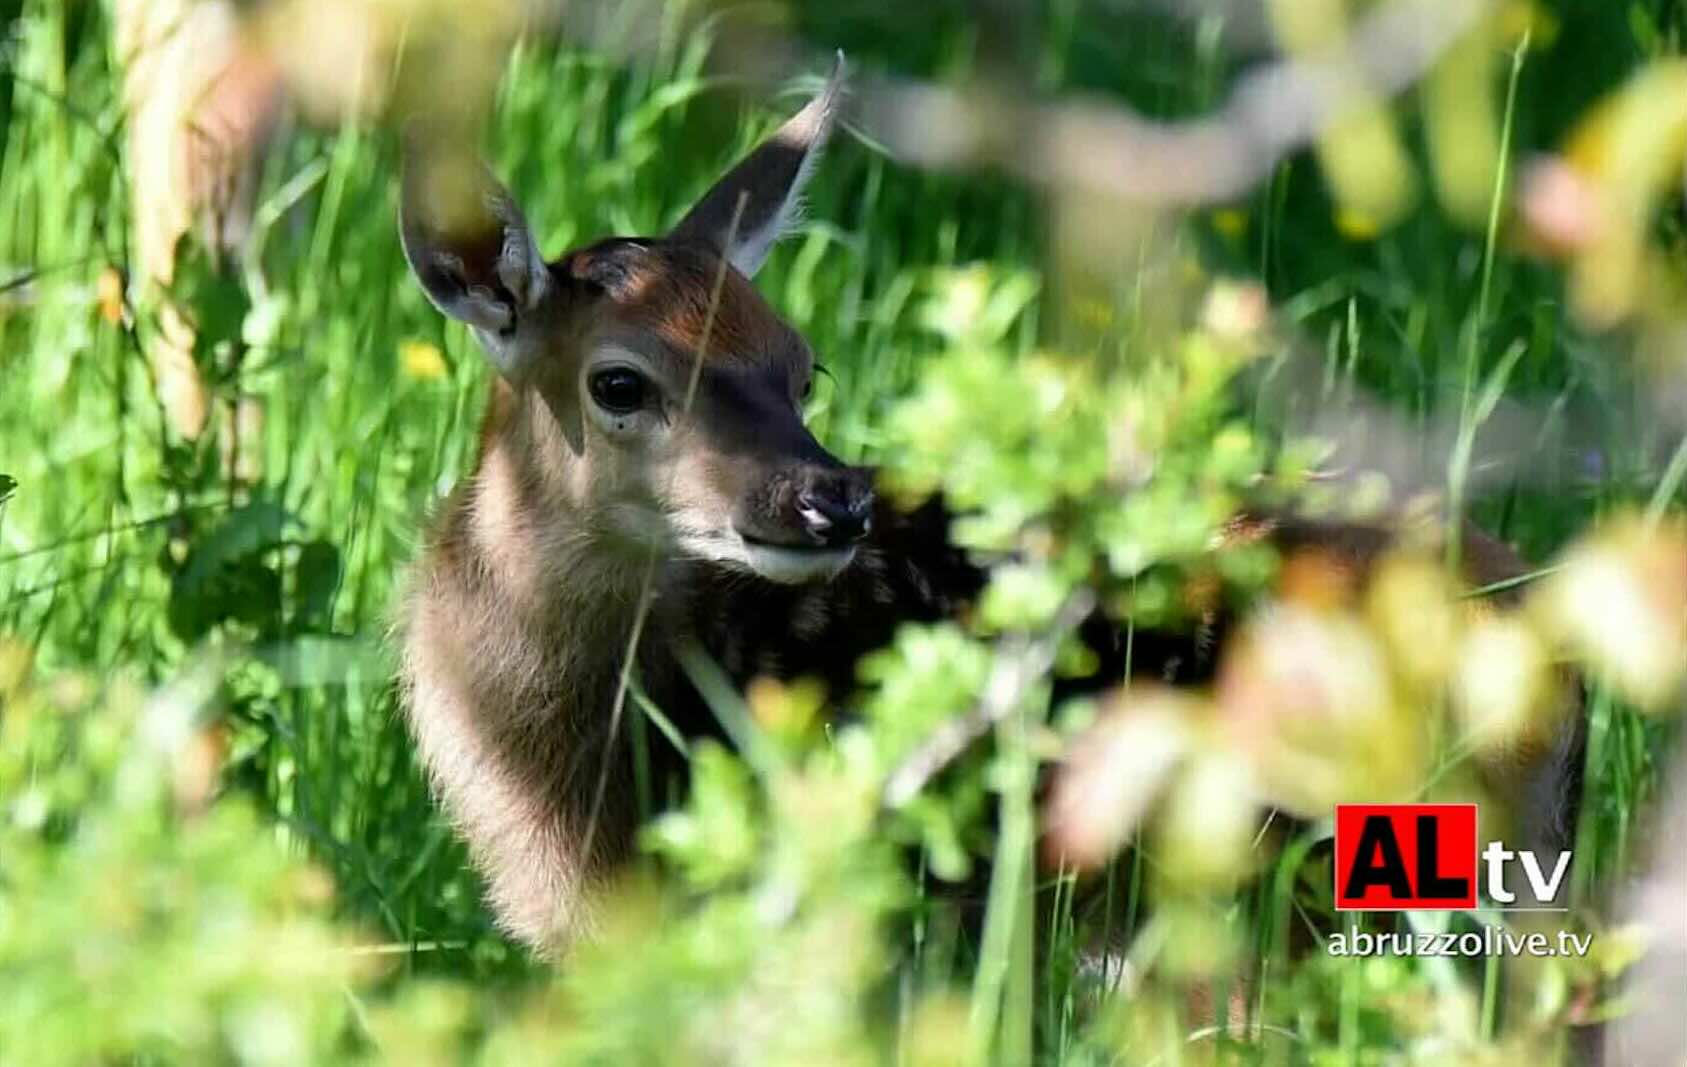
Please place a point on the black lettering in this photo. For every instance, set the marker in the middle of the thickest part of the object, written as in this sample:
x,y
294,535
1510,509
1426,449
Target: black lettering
x,y
1431,882
1377,861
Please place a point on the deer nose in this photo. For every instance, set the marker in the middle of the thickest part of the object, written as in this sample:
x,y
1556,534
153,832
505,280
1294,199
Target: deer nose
x,y
836,515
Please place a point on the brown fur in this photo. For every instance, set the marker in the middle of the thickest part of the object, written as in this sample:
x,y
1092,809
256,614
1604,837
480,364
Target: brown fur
x,y
665,291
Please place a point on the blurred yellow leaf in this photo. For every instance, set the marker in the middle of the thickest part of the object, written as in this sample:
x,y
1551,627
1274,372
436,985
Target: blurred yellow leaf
x,y
1113,772
1204,836
338,56
17,660
1360,152
1461,125
1410,605
1619,602
932,1035
1308,697
1503,684
1630,149
785,709
1356,225
1518,18
1197,943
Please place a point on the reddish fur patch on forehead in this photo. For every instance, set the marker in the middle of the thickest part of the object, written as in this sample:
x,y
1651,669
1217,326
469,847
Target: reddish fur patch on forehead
x,y
665,289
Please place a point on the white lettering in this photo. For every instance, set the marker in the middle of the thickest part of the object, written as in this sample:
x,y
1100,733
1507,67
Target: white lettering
x,y
1497,856
1545,890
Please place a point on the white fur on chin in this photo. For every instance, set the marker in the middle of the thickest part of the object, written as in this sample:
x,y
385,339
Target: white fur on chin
x,y
794,566
786,566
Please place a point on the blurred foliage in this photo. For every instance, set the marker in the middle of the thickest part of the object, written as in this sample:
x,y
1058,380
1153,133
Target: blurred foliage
x,y
155,899
138,919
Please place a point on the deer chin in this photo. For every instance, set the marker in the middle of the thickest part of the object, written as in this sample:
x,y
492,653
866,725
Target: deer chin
x,y
789,565
782,564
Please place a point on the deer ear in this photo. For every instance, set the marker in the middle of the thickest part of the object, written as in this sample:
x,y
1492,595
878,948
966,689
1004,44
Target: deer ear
x,y
472,251
767,183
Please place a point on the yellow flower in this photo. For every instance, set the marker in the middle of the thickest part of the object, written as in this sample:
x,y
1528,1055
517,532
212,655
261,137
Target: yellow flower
x,y
1356,225
422,361
785,709
1230,222
108,295
1519,17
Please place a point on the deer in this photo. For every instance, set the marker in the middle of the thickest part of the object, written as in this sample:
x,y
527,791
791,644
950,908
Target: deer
x,y
645,484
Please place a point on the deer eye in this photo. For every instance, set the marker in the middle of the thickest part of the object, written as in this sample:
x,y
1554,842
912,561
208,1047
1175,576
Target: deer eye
x,y
618,390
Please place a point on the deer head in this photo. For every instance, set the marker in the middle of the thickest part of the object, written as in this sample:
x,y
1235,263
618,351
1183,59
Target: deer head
x,y
649,399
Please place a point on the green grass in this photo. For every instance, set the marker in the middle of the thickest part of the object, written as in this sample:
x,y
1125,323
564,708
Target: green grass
x,y
125,552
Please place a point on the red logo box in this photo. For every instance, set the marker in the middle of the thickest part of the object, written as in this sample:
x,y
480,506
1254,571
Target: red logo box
x,y
1405,857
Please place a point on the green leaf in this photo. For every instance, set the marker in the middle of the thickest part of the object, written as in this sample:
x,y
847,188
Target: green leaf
x,y
715,838
225,578
243,532
316,578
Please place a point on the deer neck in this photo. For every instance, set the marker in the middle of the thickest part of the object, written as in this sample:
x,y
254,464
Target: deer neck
x,y
544,545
